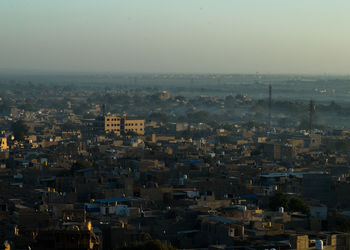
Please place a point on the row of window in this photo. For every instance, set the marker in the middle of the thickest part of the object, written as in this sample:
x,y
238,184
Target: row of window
x,y
113,124
113,119
131,129
132,124
115,129
127,124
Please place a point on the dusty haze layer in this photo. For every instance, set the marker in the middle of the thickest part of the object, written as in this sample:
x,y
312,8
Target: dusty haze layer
x,y
201,36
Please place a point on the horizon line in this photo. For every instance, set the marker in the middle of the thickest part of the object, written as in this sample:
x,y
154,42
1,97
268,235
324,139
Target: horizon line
x,y
102,72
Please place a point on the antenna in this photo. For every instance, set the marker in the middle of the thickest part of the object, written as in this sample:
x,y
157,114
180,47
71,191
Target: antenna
x,y
311,113
104,109
270,101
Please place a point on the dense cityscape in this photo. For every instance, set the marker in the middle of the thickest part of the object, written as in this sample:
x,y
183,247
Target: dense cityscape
x,y
103,167
174,124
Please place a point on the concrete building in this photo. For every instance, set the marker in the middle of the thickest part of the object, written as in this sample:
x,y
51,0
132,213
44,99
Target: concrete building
x,y
68,236
120,125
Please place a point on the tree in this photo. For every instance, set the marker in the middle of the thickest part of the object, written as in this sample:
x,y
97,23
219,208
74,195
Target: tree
x,y
19,130
292,204
69,126
199,116
298,205
230,101
278,200
187,134
131,133
342,224
81,164
156,116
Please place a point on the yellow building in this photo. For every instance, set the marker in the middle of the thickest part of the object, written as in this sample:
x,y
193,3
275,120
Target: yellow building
x,y
113,124
3,145
137,126
120,125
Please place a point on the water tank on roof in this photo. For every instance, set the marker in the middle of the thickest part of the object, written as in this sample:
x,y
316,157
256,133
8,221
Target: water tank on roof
x,y
319,244
181,181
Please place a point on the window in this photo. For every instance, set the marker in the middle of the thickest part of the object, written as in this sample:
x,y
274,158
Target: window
x,y
108,119
107,125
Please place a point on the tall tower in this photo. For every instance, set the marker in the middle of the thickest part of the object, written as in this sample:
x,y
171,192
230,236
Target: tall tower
x,y
270,101
104,109
311,113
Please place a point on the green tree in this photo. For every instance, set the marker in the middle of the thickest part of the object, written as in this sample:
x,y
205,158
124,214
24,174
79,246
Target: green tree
x,y
230,101
342,146
69,126
81,164
162,117
19,130
131,133
199,116
292,204
298,205
278,200
342,224
187,134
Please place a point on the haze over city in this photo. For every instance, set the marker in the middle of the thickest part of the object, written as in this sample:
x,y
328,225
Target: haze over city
x,y
157,36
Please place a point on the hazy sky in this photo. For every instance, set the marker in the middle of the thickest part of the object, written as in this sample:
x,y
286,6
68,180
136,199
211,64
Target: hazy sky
x,y
216,36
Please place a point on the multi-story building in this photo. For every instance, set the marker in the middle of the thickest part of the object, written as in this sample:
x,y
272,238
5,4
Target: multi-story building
x,y
121,125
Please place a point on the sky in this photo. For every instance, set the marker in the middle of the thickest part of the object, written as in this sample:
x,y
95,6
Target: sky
x,y
176,36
